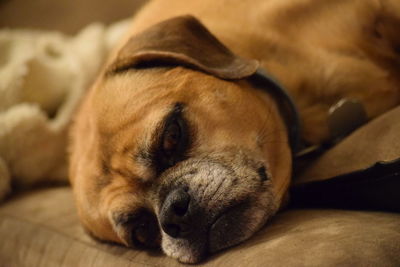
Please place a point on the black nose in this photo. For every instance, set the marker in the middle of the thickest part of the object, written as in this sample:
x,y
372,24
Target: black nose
x,y
174,214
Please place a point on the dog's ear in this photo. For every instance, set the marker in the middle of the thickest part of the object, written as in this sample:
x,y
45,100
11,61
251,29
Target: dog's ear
x,y
182,41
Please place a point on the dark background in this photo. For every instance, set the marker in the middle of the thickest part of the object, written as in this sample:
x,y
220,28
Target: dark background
x,y
65,15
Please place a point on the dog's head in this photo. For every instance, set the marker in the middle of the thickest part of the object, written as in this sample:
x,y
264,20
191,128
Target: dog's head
x,y
173,146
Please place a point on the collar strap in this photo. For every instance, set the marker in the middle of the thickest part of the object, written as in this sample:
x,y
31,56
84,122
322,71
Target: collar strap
x,y
263,80
344,117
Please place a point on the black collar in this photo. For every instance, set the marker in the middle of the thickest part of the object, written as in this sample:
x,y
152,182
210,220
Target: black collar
x,y
262,80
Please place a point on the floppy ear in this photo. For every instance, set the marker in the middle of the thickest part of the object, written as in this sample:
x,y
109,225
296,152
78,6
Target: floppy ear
x,y
182,41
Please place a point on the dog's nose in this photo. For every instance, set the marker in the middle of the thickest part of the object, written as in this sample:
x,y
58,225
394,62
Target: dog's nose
x,y
174,213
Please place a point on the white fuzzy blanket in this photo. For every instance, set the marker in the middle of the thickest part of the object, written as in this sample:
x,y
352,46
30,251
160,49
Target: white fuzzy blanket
x,y
42,77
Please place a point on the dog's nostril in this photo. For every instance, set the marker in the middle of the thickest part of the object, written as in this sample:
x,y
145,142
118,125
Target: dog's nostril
x,y
174,213
172,230
181,206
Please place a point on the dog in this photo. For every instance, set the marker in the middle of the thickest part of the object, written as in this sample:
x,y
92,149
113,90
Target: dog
x,y
175,144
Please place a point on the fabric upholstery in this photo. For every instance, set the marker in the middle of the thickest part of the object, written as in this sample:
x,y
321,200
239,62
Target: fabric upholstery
x,y
41,228
376,141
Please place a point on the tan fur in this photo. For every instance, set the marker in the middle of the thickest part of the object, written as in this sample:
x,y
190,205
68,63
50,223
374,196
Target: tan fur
x,y
320,50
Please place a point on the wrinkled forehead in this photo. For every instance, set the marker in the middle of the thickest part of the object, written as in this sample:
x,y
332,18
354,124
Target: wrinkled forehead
x,y
134,96
123,95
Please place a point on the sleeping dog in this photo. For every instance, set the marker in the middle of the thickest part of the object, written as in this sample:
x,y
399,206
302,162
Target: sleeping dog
x,y
184,141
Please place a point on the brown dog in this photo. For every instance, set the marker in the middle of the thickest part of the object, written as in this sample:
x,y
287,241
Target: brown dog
x,y
175,145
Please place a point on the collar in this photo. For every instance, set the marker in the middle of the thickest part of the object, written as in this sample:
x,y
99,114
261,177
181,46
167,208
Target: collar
x,y
344,117
264,81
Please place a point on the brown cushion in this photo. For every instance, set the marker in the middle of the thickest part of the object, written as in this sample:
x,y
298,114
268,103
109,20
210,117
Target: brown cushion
x,y
41,229
378,140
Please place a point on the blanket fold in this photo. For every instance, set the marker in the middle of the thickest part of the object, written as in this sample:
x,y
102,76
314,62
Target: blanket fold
x,y
42,77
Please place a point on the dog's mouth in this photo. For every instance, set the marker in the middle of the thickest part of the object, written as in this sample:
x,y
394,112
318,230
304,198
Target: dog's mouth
x,y
196,231
202,233
227,227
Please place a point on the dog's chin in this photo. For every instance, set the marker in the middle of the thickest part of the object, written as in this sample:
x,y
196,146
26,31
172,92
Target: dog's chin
x,y
185,250
230,228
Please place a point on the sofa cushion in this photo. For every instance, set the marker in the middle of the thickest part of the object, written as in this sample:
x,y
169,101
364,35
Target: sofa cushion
x,y
376,141
40,228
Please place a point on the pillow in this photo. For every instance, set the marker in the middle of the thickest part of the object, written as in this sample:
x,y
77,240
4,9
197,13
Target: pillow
x,y
376,141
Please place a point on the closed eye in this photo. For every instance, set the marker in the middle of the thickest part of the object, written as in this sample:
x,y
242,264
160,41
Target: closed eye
x,y
174,140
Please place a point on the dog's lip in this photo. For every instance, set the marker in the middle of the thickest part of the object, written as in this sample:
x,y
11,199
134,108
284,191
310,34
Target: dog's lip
x,y
203,251
226,211
213,228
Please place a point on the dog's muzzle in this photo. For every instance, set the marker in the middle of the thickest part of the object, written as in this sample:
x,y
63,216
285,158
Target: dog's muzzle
x,y
210,203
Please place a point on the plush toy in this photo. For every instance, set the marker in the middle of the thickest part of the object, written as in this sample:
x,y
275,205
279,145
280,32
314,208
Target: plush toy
x,y
42,77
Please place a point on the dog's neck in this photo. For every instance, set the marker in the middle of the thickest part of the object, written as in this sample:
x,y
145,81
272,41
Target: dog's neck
x,y
264,81
344,117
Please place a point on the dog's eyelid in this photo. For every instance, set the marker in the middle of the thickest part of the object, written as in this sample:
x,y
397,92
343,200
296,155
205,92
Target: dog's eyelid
x,y
178,107
174,121
174,114
148,151
140,225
